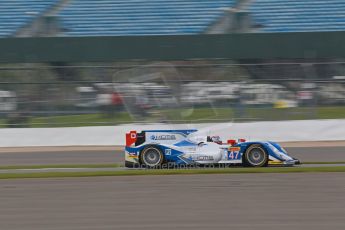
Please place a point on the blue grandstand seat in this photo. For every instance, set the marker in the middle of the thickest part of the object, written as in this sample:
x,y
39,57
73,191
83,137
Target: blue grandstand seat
x,y
14,14
162,17
140,17
299,15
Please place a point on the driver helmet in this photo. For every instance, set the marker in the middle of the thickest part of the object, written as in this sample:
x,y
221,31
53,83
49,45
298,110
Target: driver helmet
x,y
216,139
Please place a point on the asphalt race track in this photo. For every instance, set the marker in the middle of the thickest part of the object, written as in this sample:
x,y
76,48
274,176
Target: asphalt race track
x,y
312,201
305,154
318,154
233,201
61,157
114,169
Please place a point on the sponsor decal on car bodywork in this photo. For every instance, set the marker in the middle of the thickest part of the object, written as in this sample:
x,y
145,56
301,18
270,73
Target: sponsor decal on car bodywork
x,y
205,158
162,137
234,149
201,158
168,152
132,155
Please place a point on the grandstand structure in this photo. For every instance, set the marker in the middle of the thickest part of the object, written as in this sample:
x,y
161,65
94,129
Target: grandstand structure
x,y
140,17
298,15
161,17
16,14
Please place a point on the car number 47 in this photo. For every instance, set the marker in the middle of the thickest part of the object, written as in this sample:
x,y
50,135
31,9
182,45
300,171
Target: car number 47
x,y
233,155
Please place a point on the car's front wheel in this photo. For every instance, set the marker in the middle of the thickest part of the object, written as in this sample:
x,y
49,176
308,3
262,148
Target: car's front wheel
x,y
255,156
151,157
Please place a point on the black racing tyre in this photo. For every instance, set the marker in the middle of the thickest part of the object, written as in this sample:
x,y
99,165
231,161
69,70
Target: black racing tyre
x,y
255,156
151,157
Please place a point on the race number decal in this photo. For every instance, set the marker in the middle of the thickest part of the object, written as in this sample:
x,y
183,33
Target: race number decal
x,y
234,153
168,152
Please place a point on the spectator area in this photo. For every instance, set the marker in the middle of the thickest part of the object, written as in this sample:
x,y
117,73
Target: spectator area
x,y
298,15
140,17
14,14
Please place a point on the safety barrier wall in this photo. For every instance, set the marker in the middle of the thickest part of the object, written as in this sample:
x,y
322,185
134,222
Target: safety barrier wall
x,y
296,130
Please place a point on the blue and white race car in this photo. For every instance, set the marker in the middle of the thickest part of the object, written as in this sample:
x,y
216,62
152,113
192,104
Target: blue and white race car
x,y
155,148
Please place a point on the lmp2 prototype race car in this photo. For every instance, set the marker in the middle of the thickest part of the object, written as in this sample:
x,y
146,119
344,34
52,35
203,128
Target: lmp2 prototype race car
x,y
155,148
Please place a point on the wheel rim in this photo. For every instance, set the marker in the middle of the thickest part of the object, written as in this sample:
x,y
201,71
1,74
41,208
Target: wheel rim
x,y
256,156
151,157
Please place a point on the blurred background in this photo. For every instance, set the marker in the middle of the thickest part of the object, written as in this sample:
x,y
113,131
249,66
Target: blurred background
x,y
169,61
100,68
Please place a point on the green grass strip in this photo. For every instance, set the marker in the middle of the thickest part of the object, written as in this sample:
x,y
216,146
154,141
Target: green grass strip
x,y
61,166
173,172
112,165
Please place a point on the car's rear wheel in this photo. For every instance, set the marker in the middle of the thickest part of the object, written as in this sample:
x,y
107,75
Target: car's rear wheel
x,y
151,157
255,156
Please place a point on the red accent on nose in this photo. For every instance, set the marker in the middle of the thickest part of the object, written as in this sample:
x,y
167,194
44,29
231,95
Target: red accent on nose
x,y
231,142
131,138
241,140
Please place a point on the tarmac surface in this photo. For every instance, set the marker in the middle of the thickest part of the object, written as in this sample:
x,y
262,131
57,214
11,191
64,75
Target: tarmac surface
x,y
114,169
61,157
232,201
106,155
